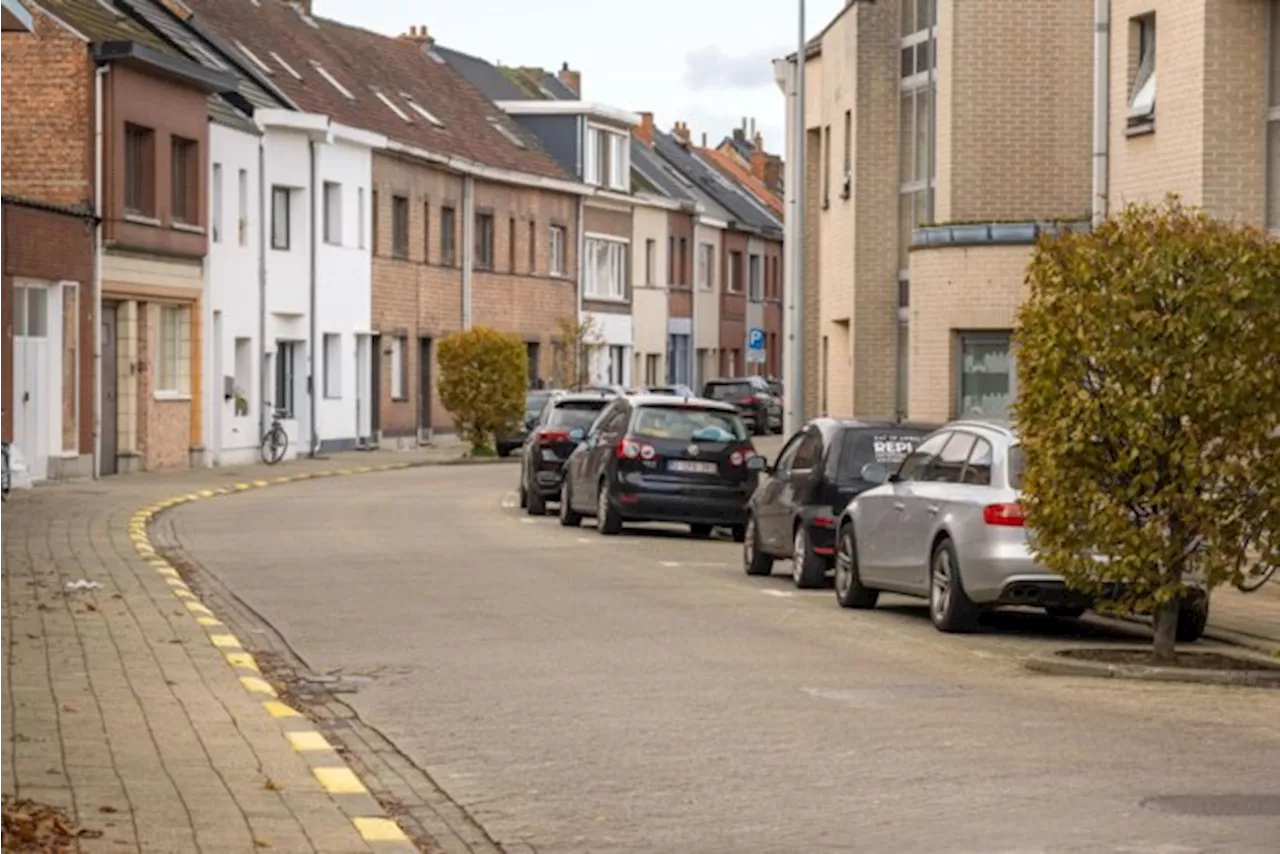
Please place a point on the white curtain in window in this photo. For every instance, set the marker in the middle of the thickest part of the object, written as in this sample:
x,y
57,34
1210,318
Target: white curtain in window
x,y
589,161
618,160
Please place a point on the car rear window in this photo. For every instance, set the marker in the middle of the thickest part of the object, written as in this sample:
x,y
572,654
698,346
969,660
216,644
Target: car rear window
x,y
577,413
1017,464
533,403
729,391
889,447
686,423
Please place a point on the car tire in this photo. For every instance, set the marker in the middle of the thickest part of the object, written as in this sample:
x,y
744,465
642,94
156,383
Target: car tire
x,y
808,570
754,561
524,491
568,517
537,505
739,533
950,607
504,451
1062,613
700,531
1193,618
850,591
608,522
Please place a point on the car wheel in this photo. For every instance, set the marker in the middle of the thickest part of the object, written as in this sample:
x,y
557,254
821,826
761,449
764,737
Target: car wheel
x,y
608,522
524,491
504,451
537,505
808,570
754,561
700,531
568,518
850,592
1193,617
950,607
1064,613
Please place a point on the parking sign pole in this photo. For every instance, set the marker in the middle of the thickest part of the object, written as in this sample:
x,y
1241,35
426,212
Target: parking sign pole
x,y
794,388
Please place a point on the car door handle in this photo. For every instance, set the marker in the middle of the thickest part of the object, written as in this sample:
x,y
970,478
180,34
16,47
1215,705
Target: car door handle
x,y
933,509
899,506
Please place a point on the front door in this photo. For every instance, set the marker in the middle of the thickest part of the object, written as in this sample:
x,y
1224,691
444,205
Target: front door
x,y
424,387
31,377
375,393
109,409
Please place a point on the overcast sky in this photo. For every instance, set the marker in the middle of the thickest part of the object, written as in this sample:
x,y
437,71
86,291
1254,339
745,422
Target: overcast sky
x,y
684,60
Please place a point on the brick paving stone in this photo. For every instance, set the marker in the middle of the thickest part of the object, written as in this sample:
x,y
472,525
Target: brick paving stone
x,y
114,697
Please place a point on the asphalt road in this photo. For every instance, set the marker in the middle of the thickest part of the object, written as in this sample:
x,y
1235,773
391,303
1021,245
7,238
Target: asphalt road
x,y
578,693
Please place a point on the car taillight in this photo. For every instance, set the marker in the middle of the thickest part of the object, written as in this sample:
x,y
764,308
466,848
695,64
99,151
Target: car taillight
x,y
550,437
647,452
746,401
629,449
1007,515
824,522
737,459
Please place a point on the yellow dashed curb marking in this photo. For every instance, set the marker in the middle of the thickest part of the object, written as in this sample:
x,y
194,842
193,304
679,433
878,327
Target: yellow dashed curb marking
x,y
336,780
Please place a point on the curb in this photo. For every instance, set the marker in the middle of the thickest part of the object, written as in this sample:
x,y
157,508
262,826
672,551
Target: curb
x,y
1254,643
331,772
1055,664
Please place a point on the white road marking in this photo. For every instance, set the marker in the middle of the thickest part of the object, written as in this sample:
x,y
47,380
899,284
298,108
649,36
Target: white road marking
x,y
670,564
785,594
526,520
585,540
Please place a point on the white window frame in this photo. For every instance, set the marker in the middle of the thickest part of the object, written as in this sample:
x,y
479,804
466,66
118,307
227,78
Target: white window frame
x,y
614,287
399,385
730,279
215,224
281,226
1142,99
332,365
601,138
360,217
242,215
707,266
559,236
171,368
755,277
332,213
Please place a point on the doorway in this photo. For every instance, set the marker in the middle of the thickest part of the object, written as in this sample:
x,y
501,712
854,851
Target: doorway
x,y
424,388
31,377
109,412
375,392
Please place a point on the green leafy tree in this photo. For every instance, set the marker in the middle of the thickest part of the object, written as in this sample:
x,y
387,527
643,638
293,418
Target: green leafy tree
x,y
483,374
574,339
1149,401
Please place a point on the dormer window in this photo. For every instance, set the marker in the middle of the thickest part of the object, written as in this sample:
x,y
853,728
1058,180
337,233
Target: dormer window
x,y
333,81
286,66
608,158
421,110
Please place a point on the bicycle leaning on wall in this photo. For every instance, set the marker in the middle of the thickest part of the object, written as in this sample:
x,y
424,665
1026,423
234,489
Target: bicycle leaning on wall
x,y
275,441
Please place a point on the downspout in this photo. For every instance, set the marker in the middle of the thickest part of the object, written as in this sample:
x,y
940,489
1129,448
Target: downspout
x,y
795,392
99,74
311,345
1101,107
263,379
584,372
468,245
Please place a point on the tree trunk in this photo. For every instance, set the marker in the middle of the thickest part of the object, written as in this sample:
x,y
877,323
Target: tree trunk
x,y
1166,631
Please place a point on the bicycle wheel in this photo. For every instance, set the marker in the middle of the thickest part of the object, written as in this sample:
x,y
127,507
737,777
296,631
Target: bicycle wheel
x,y
1253,583
274,444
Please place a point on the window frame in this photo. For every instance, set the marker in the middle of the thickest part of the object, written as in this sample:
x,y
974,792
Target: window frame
x,y
707,270
614,289
484,241
332,231
559,240
448,236
400,227
169,364
332,379
1140,114
398,365
184,181
963,337
281,218
139,196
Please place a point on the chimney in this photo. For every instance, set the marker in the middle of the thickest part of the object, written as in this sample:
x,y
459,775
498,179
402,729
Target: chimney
x,y
757,139
570,78
759,163
704,139
645,129
681,133
417,35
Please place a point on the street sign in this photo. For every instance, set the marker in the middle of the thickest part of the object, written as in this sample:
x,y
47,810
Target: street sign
x,y
755,339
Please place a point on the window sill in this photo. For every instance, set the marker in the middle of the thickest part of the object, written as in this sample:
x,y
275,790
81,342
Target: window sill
x,y
609,299
395,399
275,248
142,219
187,227
1141,128
171,397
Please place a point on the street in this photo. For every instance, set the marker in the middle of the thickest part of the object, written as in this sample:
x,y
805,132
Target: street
x,y
574,692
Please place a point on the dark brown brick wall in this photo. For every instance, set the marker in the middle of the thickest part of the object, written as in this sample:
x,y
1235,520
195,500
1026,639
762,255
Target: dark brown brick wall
x,y
680,295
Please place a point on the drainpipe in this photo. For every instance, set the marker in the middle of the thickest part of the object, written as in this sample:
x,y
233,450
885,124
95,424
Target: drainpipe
x,y
1101,106
468,245
584,355
98,77
795,380
311,345
263,379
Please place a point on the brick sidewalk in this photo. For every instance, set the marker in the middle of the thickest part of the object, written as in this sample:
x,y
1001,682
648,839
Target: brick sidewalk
x,y
116,706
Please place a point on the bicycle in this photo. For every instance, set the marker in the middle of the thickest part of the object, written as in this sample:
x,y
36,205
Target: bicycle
x,y
275,441
7,482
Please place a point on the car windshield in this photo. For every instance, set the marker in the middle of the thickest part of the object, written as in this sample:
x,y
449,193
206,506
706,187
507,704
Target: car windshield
x,y
533,403
729,391
575,413
688,424
888,447
1017,464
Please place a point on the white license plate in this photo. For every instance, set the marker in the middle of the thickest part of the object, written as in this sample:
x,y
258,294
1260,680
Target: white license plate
x,y
692,467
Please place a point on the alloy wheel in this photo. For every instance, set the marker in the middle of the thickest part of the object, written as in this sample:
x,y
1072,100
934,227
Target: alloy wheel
x,y
749,542
940,584
602,508
800,549
844,565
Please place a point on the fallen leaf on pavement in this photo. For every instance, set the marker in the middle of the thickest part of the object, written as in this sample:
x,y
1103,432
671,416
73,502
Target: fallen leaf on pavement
x,y
108,809
271,785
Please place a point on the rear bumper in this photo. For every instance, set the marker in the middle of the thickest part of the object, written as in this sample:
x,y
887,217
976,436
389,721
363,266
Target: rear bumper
x,y
509,444
643,506
547,483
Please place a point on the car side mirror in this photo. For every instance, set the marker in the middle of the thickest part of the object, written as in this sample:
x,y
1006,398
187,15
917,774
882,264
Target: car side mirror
x,y
529,421
757,463
577,434
877,473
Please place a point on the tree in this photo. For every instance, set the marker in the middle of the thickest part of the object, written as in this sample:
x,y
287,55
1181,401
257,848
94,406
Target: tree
x,y
483,374
574,339
1149,401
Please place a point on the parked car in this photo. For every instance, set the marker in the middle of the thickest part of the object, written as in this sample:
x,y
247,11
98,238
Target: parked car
x,y
563,424
794,509
534,402
675,390
946,526
657,458
755,402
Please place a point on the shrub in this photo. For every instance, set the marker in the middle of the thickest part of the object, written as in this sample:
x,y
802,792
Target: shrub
x,y
1149,399
483,375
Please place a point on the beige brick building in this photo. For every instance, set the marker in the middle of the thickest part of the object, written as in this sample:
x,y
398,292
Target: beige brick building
x,y
991,142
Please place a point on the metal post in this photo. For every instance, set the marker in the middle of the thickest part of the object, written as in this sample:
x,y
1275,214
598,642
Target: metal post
x,y
795,414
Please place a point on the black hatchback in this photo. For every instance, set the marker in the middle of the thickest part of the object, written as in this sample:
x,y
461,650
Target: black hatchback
x,y
794,510
657,458
563,424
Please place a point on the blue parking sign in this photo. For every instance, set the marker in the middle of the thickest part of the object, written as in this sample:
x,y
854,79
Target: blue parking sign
x,y
755,340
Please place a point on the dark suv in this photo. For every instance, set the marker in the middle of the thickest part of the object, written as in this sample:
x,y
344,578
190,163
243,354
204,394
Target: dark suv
x,y
563,424
756,402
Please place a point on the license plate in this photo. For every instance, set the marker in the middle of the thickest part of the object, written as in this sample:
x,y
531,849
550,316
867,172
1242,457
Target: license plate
x,y
692,467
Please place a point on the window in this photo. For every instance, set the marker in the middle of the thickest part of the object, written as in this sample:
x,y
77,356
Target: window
x,y
533,247
755,283
532,351
360,216
706,266
682,275
650,251
511,244
333,81
185,174
1142,97
679,357
978,471
244,375
826,166
848,145
333,213
421,110
399,368
332,365
917,462
617,364
733,283
918,87
376,217
393,106
949,466
285,384
652,369
607,159
448,237
606,269
484,241
139,170
1273,124
242,224
426,232
216,224
558,240
281,204
985,374
400,226
808,452
173,362
286,66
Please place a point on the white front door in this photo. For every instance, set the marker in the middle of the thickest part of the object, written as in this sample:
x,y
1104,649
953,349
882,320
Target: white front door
x,y
31,355
364,407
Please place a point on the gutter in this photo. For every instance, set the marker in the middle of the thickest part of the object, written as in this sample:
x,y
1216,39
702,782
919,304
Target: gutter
x,y
311,367
1101,107
263,192
99,74
492,173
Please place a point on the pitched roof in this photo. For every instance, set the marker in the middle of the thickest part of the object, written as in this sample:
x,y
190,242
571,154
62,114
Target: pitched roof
x,y
734,170
484,75
738,202
99,23
390,86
